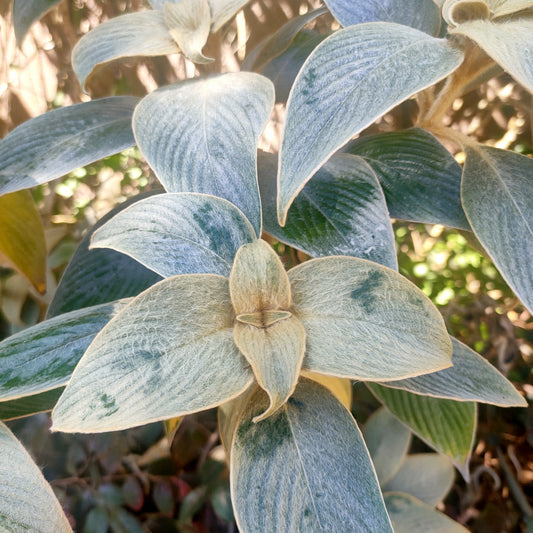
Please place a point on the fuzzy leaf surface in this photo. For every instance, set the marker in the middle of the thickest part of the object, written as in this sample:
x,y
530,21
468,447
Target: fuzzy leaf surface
x,y
167,354
420,14
501,8
289,470
178,233
27,502
30,405
508,42
420,178
43,357
351,79
446,425
364,321
471,378
223,10
55,143
426,476
22,237
497,192
201,136
341,211
388,441
26,12
410,515
133,34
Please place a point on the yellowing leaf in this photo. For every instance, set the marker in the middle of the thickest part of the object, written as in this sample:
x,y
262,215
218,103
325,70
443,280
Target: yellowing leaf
x,y
22,237
340,387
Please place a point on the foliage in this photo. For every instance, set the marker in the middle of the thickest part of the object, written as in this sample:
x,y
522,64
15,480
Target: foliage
x,y
176,302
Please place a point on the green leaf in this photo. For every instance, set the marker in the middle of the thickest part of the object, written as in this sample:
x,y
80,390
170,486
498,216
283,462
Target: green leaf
x,y
471,378
30,405
27,502
99,276
341,211
497,192
388,441
133,34
43,357
288,472
351,79
426,476
26,12
447,426
167,354
55,143
189,22
420,178
178,233
22,237
420,14
507,41
410,515
365,321
201,136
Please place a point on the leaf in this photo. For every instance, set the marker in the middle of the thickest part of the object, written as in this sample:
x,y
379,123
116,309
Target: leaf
x,y
188,23
167,354
471,378
275,354
55,143
43,357
29,405
459,11
340,388
279,41
288,471
178,233
420,178
99,276
341,211
410,515
27,502
387,440
508,42
26,12
364,321
500,8
351,79
223,10
497,193
420,14
22,237
133,34
447,426
426,476
201,136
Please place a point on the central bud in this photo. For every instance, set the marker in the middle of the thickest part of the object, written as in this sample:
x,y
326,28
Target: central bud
x,y
263,319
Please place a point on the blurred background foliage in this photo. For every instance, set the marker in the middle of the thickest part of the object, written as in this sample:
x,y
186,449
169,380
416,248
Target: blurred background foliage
x,y
174,478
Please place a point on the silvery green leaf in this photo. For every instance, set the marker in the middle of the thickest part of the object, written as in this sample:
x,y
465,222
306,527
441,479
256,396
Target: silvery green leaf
x,y
341,211
55,143
447,426
94,277
29,405
201,136
170,352
133,34
497,193
410,515
426,476
349,80
420,14
420,178
471,378
288,471
26,12
27,502
507,41
43,356
388,441
178,233
365,321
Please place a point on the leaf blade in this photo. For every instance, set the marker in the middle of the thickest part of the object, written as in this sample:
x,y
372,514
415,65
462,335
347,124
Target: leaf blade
x,y
26,12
